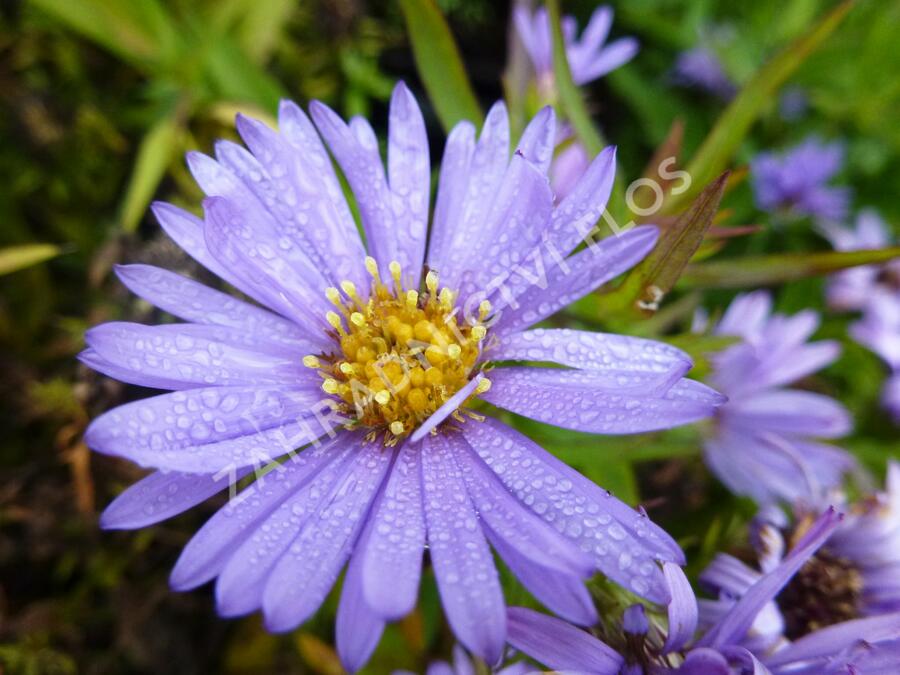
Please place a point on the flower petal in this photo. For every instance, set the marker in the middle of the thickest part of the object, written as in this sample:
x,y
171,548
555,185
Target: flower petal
x,y
463,565
624,544
628,363
560,646
392,561
357,628
581,400
789,411
309,568
682,609
537,142
213,544
160,496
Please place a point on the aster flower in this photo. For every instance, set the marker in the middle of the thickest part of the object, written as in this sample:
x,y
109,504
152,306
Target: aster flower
x,y
644,648
700,68
797,181
589,56
763,444
372,363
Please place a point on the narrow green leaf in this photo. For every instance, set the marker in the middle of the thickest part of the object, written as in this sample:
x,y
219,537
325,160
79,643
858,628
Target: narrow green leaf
x,y
723,141
15,258
656,275
154,155
778,269
570,98
439,64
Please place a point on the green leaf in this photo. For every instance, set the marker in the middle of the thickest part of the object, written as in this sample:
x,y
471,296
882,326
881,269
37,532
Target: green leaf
x,y
439,64
156,151
778,269
647,283
15,258
727,135
570,98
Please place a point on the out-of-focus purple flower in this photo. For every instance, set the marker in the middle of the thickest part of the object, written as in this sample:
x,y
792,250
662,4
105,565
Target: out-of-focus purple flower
x,y
463,664
796,180
700,68
723,648
370,364
762,445
793,104
589,56
875,291
853,577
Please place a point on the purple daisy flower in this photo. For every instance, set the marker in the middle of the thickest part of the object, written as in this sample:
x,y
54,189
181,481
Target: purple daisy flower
x,y
644,648
763,440
796,180
700,68
371,363
589,56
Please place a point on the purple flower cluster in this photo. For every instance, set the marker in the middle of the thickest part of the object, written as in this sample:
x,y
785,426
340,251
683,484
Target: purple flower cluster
x,y
764,441
368,366
872,290
797,181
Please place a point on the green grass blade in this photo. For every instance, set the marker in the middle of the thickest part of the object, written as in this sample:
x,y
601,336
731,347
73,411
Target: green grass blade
x,y
15,258
439,64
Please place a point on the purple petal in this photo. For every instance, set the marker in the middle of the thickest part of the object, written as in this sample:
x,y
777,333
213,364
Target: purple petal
x,y
736,623
627,363
357,628
94,361
214,543
192,301
682,610
789,411
614,55
463,565
537,142
746,315
624,544
447,408
531,296
559,645
409,177
242,580
581,400
705,661
392,560
160,496
306,572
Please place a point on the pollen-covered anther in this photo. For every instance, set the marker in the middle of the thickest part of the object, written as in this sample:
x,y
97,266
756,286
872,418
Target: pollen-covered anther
x,y
402,353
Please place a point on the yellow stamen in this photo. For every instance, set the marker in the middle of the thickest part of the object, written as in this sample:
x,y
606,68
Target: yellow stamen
x,y
311,361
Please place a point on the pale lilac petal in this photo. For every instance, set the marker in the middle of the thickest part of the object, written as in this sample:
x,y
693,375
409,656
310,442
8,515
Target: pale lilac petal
x,y
213,544
409,177
486,170
682,609
789,411
242,581
355,148
560,645
309,568
392,561
357,628
613,55
447,408
188,356
262,265
124,373
705,661
627,363
746,315
579,400
628,546
322,208
452,185
537,142
735,625
192,301
530,295
463,565
462,664
160,496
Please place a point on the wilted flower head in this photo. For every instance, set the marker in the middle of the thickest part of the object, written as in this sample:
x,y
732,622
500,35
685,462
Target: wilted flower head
x,y
762,445
371,364
722,648
796,180
589,56
700,67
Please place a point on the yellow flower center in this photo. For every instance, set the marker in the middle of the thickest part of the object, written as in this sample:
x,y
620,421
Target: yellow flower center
x,y
402,354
